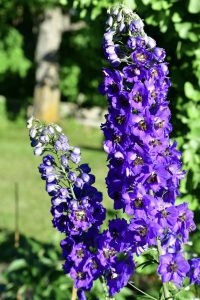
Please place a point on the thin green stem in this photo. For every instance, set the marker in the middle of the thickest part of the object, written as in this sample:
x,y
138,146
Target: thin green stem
x,y
72,191
105,288
139,290
167,295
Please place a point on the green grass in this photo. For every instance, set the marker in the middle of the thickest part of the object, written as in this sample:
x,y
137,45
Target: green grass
x,y
19,165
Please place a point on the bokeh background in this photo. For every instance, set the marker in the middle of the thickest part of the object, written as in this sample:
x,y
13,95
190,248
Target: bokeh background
x,y
50,63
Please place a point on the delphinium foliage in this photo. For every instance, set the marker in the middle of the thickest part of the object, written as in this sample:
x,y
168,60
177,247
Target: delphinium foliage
x,y
143,178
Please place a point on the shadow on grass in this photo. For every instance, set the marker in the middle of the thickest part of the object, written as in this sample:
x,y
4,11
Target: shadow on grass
x,y
91,148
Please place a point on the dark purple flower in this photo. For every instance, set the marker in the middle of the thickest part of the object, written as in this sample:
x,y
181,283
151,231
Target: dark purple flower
x,y
81,295
81,276
194,272
112,83
119,274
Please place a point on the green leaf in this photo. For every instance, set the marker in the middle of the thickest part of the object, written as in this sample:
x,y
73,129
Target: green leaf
x,y
183,29
176,18
194,6
17,265
63,2
190,92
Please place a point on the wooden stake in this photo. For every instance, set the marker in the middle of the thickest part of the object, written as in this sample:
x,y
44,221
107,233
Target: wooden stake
x,y
16,214
74,293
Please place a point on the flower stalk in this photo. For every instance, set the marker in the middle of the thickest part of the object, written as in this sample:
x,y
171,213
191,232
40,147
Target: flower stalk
x,y
166,292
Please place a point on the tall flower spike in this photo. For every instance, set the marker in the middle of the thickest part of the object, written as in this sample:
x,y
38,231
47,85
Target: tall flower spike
x,y
78,213
76,205
144,165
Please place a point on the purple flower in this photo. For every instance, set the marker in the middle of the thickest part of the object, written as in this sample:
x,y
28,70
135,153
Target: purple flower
x,y
81,295
141,57
119,274
144,232
173,267
112,83
185,223
48,160
81,276
194,272
159,54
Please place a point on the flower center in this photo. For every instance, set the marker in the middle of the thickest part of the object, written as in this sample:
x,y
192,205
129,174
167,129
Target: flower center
x,y
160,124
80,253
153,94
154,73
138,202
142,125
138,161
123,100
173,267
164,213
137,98
81,275
142,231
152,178
80,215
113,87
183,217
142,57
94,265
120,119
155,142
117,139
108,252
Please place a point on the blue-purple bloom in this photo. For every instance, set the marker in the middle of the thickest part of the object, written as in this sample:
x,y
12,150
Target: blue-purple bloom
x,y
173,267
194,272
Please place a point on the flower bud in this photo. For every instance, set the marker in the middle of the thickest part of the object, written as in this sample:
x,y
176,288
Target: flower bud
x,y
38,150
85,177
110,21
72,176
64,161
79,183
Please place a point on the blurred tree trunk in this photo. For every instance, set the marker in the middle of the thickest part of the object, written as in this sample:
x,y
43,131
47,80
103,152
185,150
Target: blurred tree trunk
x,y
47,93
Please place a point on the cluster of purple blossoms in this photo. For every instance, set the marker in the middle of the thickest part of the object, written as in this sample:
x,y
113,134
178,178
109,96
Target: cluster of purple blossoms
x,y
77,211
144,165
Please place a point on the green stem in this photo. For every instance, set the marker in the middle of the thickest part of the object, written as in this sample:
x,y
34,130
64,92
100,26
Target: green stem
x,y
72,191
105,288
166,292
139,290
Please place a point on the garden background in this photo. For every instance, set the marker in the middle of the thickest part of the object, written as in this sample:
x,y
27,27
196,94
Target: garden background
x,y
45,65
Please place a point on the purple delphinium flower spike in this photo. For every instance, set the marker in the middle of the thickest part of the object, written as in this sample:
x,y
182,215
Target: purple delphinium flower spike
x,y
144,165
76,203
78,213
